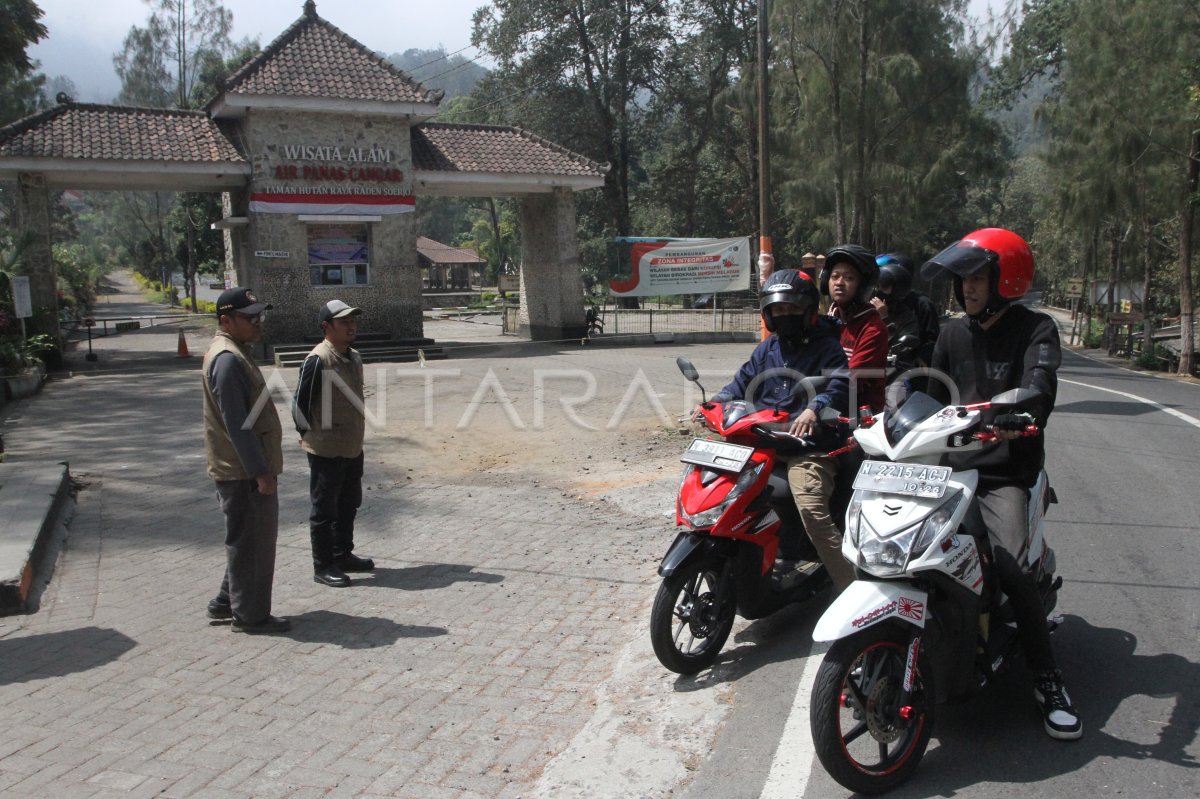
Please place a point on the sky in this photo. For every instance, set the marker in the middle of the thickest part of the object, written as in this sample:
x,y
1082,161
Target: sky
x,y
85,34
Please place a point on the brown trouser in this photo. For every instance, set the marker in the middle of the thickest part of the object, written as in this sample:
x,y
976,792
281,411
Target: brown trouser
x,y
811,480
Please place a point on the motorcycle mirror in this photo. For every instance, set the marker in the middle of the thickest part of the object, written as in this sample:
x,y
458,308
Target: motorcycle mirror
x,y
688,370
1016,396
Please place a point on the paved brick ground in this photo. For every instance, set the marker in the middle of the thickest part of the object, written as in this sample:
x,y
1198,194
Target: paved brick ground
x,y
516,566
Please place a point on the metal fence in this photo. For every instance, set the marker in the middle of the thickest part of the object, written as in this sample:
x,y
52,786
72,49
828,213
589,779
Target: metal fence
x,y
625,321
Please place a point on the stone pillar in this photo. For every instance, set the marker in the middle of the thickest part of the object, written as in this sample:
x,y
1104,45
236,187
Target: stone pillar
x,y
33,219
551,282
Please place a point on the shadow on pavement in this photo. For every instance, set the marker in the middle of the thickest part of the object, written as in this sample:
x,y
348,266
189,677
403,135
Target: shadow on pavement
x,y
46,655
998,737
427,577
782,636
354,632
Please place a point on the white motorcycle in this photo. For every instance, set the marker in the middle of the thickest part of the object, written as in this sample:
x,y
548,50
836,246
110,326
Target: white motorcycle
x,y
922,624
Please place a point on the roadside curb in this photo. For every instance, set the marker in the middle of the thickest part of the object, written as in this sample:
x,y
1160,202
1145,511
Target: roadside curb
x,y
31,497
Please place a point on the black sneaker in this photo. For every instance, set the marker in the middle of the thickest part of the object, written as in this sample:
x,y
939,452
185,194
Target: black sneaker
x,y
219,609
1061,717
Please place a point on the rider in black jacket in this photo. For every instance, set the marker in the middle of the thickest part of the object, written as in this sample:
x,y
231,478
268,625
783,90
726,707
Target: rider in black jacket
x,y
999,346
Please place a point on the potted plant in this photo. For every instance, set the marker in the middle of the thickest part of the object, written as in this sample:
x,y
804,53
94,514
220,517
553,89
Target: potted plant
x,y
21,365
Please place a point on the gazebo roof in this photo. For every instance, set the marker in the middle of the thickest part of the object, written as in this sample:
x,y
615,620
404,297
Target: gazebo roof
x,y
438,254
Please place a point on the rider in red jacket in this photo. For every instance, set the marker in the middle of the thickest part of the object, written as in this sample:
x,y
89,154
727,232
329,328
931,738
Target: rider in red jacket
x,y
848,279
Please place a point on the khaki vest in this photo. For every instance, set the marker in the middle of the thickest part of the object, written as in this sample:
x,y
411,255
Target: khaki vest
x,y
223,461
341,379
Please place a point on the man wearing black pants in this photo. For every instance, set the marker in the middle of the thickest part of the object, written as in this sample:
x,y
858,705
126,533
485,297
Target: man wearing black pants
x,y
244,452
329,415
997,346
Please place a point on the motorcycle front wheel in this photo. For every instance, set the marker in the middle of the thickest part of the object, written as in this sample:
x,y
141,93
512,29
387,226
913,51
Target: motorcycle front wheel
x,y
864,738
690,621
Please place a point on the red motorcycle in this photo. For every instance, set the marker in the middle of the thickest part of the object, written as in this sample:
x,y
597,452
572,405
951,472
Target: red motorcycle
x,y
743,551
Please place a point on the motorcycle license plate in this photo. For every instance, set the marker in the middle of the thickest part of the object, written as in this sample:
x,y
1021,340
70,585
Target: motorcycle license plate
x,y
903,478
717,454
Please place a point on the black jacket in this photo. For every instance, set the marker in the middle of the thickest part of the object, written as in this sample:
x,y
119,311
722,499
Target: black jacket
x,y
1021,350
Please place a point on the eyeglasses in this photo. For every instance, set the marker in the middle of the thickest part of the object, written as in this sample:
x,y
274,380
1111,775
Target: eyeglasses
x,y
254,319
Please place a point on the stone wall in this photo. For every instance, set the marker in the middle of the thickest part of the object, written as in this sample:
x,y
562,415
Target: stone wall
x,y
551,282
391,301
33,219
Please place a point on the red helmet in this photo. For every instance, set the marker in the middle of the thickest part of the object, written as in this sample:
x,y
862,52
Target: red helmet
x,y
1010,254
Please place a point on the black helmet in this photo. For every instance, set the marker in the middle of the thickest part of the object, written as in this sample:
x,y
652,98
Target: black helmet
x,y
898,259
895,281
861,259
791,287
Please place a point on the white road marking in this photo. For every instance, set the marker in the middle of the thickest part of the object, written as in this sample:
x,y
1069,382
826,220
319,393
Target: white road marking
x,y
794,754
1177,414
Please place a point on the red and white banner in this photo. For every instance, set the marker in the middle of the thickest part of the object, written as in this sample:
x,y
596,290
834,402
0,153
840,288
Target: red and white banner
x,y
695,266
331,203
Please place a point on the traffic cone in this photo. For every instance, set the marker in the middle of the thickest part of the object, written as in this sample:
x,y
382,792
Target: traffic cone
x,y
182,350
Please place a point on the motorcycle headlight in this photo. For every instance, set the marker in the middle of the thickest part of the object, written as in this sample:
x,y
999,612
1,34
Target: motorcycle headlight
x,y
853,519
884,556
707,518
888,556
936,524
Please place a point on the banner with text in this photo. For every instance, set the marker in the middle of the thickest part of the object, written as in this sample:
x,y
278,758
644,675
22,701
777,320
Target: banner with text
x,y
647,267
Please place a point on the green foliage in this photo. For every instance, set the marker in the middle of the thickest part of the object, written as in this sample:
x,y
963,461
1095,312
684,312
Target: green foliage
x,y
78,279
1154,359
19,29
161,64
877,140
18,356
1120,121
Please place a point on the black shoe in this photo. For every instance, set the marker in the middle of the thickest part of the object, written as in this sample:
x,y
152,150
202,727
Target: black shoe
x,y
1061,718
353,563
331,576
269,625
219,609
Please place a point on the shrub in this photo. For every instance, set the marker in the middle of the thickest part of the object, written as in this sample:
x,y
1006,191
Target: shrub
x,y
17,356
1155,359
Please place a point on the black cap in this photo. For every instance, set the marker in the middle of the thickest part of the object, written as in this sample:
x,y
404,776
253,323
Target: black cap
x,y
240,300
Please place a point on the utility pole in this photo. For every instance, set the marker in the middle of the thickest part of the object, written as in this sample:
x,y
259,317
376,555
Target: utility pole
x,y
765,255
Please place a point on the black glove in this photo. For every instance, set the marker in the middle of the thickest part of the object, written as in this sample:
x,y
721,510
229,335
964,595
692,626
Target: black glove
x,y
1011,422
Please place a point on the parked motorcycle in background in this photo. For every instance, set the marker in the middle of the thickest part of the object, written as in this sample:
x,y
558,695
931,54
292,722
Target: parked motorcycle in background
x,y
923,623
738,516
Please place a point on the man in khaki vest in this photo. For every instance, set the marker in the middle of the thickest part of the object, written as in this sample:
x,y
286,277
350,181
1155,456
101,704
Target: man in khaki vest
x,y
244,445
328,411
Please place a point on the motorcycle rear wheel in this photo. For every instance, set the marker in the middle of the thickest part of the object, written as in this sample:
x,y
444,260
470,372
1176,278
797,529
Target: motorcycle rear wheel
x,y
859,733
689,622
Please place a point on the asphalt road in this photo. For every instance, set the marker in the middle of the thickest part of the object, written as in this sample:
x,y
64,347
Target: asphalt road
x,y
1122,456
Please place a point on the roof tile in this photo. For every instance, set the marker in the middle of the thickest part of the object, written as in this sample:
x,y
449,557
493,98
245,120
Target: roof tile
x,y
452,147
313,58
79,130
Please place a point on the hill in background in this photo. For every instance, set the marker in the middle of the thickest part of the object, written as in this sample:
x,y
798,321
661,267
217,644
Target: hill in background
x,y
455,74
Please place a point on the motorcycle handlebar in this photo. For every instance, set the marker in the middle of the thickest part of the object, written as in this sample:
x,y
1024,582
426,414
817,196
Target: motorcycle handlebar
x,y
989,435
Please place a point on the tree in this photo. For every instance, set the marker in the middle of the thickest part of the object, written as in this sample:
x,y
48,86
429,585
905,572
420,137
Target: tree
x,y
1122,148
572,70
19,28
883,144
161,63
